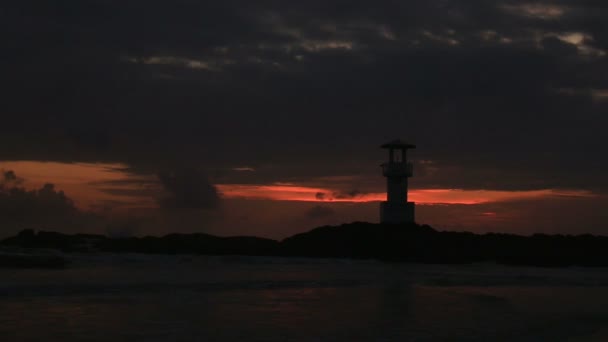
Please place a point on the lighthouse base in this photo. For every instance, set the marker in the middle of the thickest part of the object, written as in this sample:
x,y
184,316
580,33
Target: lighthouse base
x,y
397,212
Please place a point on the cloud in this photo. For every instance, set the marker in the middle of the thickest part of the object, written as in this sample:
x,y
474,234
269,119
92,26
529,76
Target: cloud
x,y
42,208
188,188
473,82
9,178
559,46
348,194
18,203
537,10
319,212
244,169
340,195
175,61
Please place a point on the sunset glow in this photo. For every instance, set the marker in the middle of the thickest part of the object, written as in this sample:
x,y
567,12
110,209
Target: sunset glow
x,y
85,184
420,196
75,179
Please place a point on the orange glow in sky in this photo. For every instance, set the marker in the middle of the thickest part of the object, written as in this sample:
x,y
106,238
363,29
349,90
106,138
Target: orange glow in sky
x,y
80,181
284,192
75,179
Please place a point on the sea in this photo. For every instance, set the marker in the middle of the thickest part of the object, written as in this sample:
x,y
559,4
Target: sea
x,y
131,297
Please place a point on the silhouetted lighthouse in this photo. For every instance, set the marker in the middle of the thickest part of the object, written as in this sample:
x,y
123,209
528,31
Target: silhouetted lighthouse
x,y
397,209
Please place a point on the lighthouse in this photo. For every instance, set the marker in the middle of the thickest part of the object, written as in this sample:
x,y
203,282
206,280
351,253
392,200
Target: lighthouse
x,y
396,208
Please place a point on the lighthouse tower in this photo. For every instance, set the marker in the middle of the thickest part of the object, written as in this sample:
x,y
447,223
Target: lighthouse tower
x,y
397,170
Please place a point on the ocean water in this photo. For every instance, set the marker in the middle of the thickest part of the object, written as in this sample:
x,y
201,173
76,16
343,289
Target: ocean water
x,y
200,298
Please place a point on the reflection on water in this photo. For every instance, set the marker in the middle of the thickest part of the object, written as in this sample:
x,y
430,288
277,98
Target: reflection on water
x,y
141,298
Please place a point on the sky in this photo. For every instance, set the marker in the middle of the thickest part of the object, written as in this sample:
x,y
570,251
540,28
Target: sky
x,y
265,118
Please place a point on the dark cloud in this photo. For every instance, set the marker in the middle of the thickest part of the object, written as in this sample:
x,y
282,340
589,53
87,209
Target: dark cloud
x,y
339,195
499,94
9,178
18,203
319,212
132,187
348,194
42,208
559,47
187,188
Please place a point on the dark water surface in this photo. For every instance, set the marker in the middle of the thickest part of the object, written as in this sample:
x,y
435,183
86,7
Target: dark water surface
x,y
177,298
